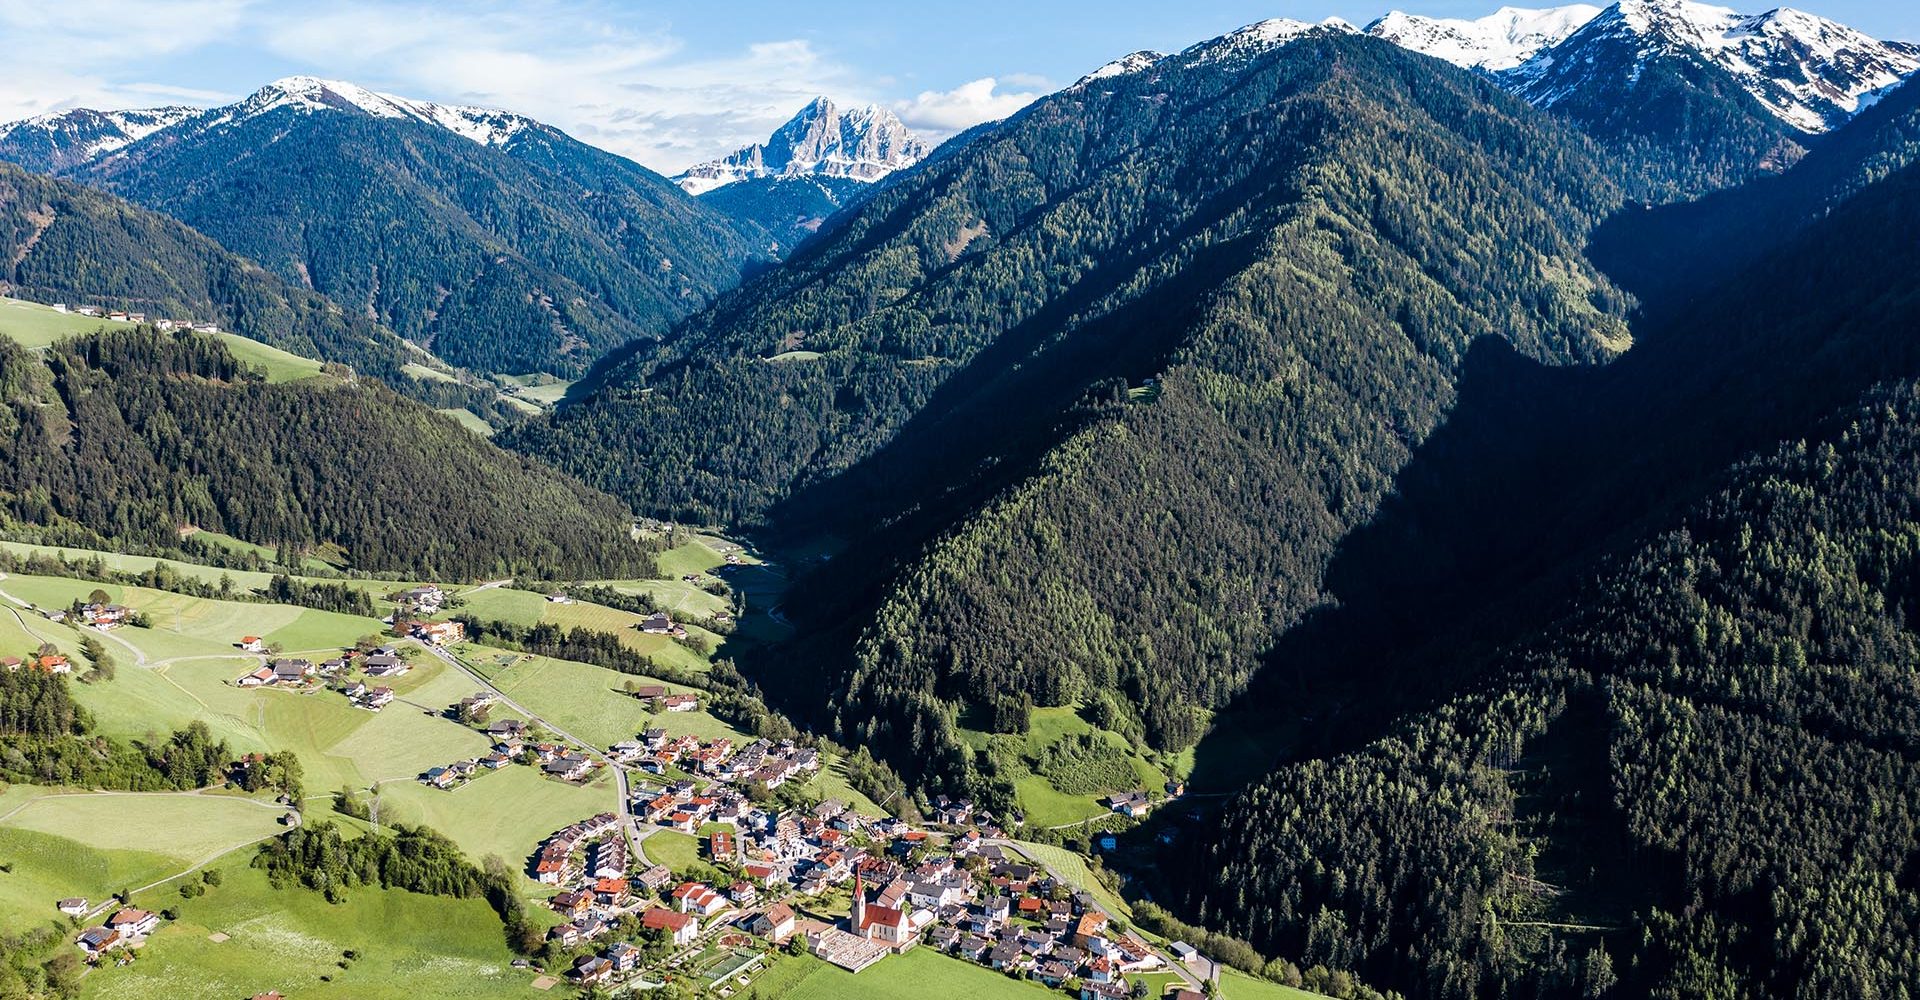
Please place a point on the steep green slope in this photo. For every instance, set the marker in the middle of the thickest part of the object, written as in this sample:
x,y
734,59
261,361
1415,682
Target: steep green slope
x,y
1599,680
62,242
1700,782
1118,374
539,255
129,435
1680,249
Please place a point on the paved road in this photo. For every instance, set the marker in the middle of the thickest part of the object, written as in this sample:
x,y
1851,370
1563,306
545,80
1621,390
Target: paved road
x,y
627,819
1173,964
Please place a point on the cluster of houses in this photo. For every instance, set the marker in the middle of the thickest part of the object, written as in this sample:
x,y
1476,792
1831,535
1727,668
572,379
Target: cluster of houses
x,y
555,760
764,763
1029,926
682,806
965,897
434,633
373,697
1000,911
127,927
105,617
426,599
49,663
660,623
287,672
657,696
293,672
121,316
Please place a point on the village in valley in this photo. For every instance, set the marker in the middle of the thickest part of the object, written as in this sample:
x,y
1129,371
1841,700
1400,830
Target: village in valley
x,y
722,859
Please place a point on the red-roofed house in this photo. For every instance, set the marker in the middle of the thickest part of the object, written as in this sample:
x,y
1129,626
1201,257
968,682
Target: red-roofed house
x,y
680,927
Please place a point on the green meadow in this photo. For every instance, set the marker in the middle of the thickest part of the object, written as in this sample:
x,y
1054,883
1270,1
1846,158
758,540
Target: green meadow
x,y
34,325
184,627
922,973
1047,806
57,843
244,937
525,608
678,851
590,702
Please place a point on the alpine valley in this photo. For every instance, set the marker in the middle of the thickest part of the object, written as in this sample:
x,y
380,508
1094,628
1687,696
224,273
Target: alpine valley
x,y
1422,509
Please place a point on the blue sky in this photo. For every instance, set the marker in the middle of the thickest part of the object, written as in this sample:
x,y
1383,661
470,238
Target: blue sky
x,y
668,84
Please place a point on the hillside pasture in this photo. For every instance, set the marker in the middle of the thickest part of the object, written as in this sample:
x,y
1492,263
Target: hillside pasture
x,y
406,946
590,702
922,973
1046,805
59,843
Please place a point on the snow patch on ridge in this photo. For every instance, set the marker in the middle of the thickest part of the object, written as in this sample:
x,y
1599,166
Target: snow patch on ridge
x,y
1501,40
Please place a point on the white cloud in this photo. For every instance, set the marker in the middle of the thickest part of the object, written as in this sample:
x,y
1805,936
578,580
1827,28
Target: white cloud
x,y
62,55
629,87
599,69
945,112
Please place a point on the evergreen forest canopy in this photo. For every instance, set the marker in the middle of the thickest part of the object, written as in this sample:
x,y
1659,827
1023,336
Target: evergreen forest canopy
x,y
1268,387
123,437
536,256
1138,408
61,242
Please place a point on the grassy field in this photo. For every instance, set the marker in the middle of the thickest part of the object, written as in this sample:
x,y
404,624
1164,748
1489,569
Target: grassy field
x,y
31,324
678,597
1047,806
35,325
506,812
672,848
198,627
242,579
700,554
1237,985
1074,869
525,608
590,702
922,973
92,844
408,946
543,389
280,366
468,419
425,374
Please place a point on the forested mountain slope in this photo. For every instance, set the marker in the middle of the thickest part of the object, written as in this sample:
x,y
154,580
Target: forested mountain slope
x,y
124,437
62,242
514,249
1129,364
1600,682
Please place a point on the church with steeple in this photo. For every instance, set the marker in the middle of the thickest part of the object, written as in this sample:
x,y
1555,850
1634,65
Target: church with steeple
x,y
887,925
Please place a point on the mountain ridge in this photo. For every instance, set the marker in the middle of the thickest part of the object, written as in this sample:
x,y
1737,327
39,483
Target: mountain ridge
x,y
495,241
860,143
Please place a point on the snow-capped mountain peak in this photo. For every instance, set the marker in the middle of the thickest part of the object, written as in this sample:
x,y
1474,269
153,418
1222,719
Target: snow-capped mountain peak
x,y
486,126
1808,71
1501,40
1132,62
1258,38
862,143
61,139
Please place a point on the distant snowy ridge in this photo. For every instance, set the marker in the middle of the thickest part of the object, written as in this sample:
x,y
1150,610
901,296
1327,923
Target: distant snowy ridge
x,y
82,134
862,143
1259,38
485,126
1132,62
1501,40
1810,72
